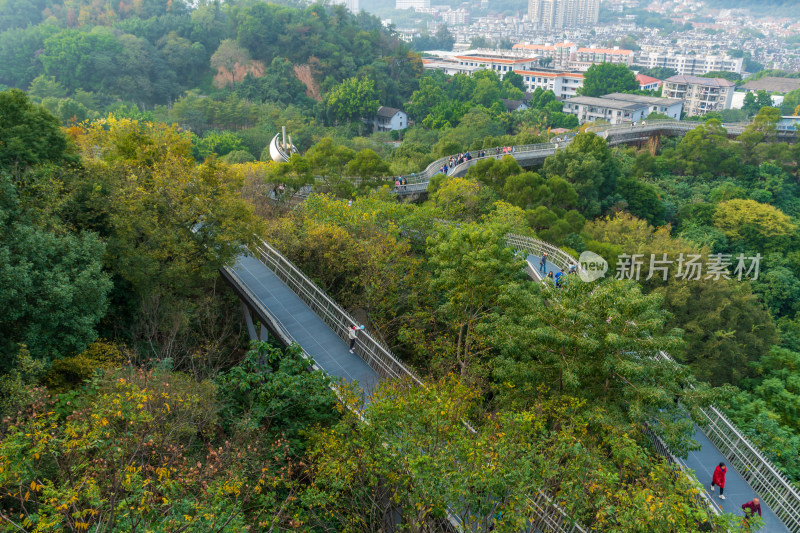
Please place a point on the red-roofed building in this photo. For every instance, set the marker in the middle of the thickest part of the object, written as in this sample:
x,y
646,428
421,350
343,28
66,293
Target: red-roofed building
x,y
648,83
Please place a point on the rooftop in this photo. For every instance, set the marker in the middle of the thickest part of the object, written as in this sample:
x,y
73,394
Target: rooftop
x,y
649,100
712,82
606,102
613,51
387,112
772,84
646,80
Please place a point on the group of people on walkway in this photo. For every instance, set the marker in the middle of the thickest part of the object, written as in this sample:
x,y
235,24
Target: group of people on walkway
x,y
399,182
718,480
559,278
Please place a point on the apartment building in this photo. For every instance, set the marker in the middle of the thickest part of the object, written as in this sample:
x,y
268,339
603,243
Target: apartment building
x,y
586,57
690,64
563,84
560,53
700,95
619,108
556,14
408,4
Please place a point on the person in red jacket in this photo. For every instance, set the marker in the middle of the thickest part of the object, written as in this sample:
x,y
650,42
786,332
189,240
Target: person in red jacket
x,y
718,479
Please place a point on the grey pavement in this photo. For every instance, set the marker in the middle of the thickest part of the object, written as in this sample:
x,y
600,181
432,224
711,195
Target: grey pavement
x,y
318,340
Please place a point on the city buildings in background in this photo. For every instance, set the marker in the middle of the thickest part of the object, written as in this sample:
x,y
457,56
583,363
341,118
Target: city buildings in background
x,y
550,14
409,4
351,5
619,108
563,83
689,64
700,95
560,54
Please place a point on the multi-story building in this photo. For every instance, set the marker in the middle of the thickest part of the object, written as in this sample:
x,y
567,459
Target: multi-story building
x,y
563,84
455,17
690,64
618,108
700,95
351,5
496,60
407,4
554,14
586,57
561,53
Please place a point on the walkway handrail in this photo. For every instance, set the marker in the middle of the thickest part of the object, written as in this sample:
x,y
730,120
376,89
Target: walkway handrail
x,y
372,351
537,247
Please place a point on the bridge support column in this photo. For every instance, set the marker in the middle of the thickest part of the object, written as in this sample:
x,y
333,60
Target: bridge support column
x,y
261,335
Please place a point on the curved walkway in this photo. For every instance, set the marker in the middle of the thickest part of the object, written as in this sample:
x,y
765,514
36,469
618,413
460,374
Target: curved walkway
x,y
703,461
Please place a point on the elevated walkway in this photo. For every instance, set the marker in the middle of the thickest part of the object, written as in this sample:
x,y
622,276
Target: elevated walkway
x,y
749,475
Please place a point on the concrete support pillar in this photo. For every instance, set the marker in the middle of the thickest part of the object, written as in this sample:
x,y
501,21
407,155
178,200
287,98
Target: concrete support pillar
x,y
248,318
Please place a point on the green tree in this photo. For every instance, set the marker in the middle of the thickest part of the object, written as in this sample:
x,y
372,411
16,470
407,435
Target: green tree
x,y
29,135
606,78
46,86
753,102
642,199
471,265
515,79
588,164
52,286
351,100
730,76
597,341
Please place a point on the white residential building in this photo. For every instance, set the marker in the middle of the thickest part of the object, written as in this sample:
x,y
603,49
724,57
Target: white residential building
x,y
563,84
387,119
561,53
690,64
586,57
700,95
619,108
497,60
408,4
556,14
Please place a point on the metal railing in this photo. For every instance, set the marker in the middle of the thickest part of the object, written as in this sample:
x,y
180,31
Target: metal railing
x,y
372,351
555,255
773,487
771,484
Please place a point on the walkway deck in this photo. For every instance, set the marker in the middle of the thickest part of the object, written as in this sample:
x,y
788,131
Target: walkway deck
x,y
703,461
266,292
737,490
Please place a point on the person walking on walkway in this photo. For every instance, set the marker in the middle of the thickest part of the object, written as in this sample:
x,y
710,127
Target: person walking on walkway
x,y
718,479
543,263
750,509
352,336
558,278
